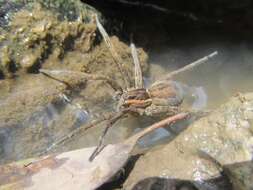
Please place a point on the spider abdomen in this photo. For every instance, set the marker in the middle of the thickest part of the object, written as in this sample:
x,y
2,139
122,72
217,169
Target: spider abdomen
x,y
167,93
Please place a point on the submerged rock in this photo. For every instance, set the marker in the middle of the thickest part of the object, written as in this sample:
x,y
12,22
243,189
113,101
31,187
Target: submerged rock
x,y
225,135
59,36
35,33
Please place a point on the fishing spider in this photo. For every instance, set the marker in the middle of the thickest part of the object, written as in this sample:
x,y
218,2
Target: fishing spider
x,y
162,98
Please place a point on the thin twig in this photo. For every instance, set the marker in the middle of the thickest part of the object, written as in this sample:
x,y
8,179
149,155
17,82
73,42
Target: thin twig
x,y
137,68
117,59
157,125
61,75
191,66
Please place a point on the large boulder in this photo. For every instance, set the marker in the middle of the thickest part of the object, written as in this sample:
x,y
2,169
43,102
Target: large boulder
x,y
225,136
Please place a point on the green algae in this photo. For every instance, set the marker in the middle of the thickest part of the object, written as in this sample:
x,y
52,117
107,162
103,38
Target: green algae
x,y
35,32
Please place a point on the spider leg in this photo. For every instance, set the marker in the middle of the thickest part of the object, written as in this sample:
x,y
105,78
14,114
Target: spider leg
x,y
109,124
137,68
191,65
100,145
77,131
117,59
67,77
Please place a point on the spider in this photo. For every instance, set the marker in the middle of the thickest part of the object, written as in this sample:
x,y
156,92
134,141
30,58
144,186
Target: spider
x,y
162,98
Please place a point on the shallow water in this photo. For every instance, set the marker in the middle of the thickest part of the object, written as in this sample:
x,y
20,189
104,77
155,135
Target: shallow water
x,y
225,75
220,78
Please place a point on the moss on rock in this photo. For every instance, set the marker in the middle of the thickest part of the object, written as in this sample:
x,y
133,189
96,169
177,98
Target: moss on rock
x,y
34,34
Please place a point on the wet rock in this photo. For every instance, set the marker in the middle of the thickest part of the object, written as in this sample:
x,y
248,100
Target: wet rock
x,y
40,35
48,35
225,135
33,35
41,28
70,9
176,184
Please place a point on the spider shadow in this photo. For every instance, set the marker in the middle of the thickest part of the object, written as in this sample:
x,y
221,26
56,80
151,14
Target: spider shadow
x,y
163,135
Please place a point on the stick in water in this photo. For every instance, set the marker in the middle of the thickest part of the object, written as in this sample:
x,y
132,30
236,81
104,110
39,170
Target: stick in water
x,y
133,140
192,65
162,123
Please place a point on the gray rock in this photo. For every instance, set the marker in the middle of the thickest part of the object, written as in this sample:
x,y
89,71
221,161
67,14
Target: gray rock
x,y
225,135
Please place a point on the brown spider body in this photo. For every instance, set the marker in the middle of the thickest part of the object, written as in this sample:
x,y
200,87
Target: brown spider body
x,y
163,97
